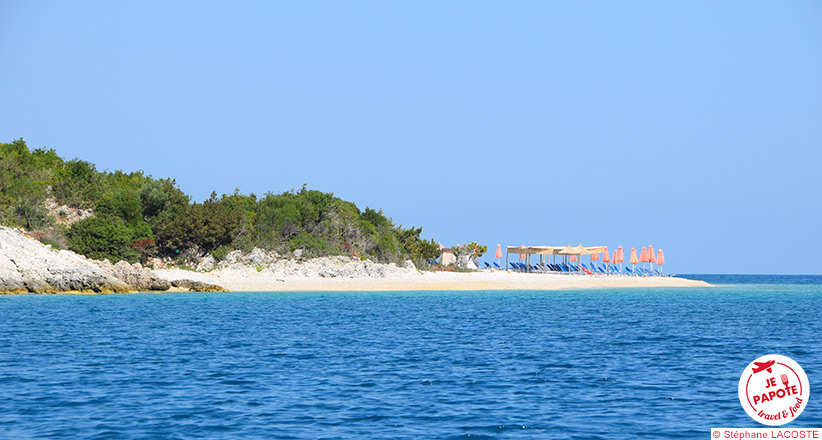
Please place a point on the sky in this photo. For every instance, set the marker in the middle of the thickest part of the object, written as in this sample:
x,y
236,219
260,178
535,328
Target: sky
x,y
695,127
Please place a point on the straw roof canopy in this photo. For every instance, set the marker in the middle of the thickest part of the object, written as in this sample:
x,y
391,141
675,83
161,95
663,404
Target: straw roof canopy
x,y
542,250
581,250
555,250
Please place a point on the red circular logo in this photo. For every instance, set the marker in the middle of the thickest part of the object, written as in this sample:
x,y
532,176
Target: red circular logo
x,y
774,390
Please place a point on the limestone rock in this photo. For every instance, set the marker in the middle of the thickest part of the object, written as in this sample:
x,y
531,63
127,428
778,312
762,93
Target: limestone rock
x,y
334,267
206,263
134,275
197,286
26,265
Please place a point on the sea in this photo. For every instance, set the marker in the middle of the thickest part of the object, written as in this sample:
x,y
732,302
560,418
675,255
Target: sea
x,y
575,364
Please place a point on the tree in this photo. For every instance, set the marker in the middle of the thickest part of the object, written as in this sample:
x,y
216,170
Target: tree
x,y
206,226
465,253
417,249
77,184
102,237
152,198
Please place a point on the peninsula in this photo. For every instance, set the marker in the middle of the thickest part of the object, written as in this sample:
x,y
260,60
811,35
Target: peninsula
x,y
70,228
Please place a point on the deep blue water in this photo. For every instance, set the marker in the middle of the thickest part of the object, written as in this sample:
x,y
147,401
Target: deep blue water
x,y
587,364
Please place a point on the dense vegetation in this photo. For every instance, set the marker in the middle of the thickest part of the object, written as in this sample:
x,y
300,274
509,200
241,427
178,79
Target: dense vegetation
x,y
137,217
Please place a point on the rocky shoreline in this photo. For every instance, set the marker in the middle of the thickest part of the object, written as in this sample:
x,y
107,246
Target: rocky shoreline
x,y
28,266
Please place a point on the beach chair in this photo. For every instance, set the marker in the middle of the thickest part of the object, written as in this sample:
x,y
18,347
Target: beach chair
x,y
497,265
487,266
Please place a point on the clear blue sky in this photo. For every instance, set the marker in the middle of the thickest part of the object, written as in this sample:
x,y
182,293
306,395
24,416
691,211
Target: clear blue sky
x,y
693,126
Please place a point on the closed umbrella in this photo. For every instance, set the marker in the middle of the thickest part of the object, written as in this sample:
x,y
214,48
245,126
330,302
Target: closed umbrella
x,y
594,257
651,257
621,255
499,253
660,257
643,256
616,258
634,259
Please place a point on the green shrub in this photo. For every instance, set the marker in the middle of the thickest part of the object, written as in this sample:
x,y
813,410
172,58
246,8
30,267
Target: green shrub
x,y
102,237
220,253
312,246
78,184
137,212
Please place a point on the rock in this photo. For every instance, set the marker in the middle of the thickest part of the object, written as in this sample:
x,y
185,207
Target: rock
x,y
64,214
207,263
260,262
197,286
26,265
233,257
335,267
134,275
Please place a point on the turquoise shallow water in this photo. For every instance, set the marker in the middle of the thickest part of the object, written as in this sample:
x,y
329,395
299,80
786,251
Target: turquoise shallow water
x,y
653,363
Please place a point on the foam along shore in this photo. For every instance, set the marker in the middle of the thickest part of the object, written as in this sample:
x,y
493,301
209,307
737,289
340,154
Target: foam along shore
x,y
251,280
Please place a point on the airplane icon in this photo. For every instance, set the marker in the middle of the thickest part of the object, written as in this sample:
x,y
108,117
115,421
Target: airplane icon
x,y
760,366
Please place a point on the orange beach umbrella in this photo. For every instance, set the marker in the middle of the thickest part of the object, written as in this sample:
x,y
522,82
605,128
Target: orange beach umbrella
x,y
643,256
573,258
605,257
522,256
660,257
634,259
499,251
594,257
651,256
621,255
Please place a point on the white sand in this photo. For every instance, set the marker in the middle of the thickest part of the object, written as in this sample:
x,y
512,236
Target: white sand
x,y
249,280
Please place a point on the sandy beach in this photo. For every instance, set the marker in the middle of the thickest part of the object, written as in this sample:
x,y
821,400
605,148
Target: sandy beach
x,y
249,280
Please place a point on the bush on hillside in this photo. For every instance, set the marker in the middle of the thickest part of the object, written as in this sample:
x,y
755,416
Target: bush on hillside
x,y
102,237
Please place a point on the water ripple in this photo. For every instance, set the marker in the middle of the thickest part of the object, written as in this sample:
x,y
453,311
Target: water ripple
x,y
658,363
